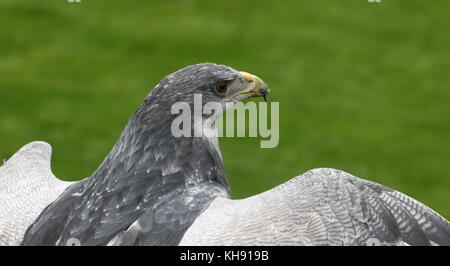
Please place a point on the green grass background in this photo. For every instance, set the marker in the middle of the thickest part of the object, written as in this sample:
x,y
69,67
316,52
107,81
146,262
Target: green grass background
x,y
363,87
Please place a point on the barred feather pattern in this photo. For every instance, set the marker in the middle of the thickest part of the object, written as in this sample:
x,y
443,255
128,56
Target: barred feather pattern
x,y
27,186
320,207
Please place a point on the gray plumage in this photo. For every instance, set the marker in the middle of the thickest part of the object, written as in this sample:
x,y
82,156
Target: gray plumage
x,y
320,207
157,189
152,185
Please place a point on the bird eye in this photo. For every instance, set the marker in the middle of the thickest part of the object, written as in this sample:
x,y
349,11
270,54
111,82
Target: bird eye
x,y
222,88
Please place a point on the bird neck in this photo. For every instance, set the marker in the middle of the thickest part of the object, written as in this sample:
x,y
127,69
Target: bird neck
x,y
148,150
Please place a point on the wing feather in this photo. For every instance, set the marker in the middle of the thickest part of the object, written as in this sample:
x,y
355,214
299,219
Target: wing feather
x,y
320,207
27,186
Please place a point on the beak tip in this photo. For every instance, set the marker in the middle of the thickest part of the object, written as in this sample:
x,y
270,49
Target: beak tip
x,y
265,93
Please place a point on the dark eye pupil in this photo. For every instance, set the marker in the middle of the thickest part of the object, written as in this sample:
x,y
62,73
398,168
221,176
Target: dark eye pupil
x,y
222,88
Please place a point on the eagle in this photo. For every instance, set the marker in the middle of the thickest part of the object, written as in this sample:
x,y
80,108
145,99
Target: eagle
x,y
155,188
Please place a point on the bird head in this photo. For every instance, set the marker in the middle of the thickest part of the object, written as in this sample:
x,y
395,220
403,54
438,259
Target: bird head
x,y
218,84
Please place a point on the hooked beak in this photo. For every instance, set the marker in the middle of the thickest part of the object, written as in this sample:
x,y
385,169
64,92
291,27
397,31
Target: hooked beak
x,y
255,88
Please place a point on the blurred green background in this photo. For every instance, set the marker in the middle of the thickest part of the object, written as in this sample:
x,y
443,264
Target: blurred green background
x,y
363,87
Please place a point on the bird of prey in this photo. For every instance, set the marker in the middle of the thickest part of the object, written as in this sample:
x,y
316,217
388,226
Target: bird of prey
x,y
154,188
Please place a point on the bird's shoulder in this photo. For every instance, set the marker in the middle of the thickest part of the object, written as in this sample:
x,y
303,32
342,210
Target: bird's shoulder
x,y
170,216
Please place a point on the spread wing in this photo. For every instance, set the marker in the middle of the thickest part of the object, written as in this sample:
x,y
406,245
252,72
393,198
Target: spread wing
x,y
320,207
27,186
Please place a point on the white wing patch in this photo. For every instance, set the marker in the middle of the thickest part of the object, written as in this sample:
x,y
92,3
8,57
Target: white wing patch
x,y
27,186
320,207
